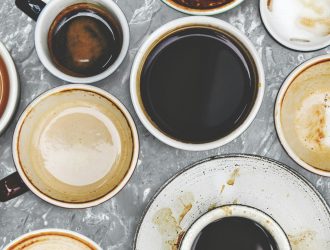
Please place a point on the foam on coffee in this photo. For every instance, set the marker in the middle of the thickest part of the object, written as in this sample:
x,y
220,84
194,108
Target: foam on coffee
x,y
305,115
52,241
4,86
300,21
76,146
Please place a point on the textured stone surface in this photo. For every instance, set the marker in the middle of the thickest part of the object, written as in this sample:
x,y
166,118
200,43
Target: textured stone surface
x,y
113,223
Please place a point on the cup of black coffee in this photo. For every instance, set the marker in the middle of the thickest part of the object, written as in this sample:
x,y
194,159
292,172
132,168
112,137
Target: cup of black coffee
x,y
235,227
79,41
197,83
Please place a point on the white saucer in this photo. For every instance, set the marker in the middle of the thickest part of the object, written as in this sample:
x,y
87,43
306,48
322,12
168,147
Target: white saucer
x,y
270,21
236,179
14,89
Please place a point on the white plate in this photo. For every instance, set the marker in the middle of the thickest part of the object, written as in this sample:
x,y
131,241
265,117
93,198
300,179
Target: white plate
x,y
236,179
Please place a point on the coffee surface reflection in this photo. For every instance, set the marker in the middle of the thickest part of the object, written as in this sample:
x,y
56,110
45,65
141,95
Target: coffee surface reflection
x,y
202,4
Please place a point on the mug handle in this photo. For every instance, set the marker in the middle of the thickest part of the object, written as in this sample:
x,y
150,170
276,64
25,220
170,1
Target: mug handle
x,y
11,187
32,8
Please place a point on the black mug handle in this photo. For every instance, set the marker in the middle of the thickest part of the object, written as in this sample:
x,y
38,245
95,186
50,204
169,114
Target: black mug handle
x,y
32,8
11,187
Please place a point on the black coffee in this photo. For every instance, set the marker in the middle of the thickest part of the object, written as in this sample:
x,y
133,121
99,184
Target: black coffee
x,y
84,40
203,4
234,233
198,85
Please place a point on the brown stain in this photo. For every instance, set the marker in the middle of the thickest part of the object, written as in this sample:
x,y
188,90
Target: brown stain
x,y
168,226
28,241
222,188
235,201
301,238
233,176
227,211
212,206
270,5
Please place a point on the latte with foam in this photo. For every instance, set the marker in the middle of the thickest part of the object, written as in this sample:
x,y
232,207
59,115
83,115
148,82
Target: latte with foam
x,y
305,115
52,241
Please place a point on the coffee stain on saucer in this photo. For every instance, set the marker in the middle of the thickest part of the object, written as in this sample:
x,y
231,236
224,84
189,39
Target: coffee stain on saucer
x,y
169,226
301,241
270,5
233,176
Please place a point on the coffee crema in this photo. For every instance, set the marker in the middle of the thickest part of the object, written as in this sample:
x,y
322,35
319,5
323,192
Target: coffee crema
x,y
234,233
305,115
198,84
4,86
52,241
202,4
84,40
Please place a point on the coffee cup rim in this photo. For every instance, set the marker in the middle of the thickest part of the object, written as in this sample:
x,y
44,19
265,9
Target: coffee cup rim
x,y
203,12
154,38
236,210
97,201
278,109
50,66
53,230
14,89
269,27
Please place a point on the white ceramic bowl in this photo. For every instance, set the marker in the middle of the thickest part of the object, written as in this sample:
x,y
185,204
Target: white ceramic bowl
x,y
149,43
204,12
277,114
14,89
53,231
46,18
253,214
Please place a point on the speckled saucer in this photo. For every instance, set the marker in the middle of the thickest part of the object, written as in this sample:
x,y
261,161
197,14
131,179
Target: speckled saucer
x,y
236,179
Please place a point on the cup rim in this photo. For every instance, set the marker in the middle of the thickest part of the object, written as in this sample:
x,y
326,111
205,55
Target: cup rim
x,y
203,12
14,89
236,210
153,38
105,197
280,40
278,108
49,65
53,230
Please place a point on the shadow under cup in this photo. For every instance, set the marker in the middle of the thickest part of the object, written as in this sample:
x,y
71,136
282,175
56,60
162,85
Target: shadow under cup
x,y
75,146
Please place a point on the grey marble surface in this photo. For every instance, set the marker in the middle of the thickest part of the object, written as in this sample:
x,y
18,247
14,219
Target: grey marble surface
x,y
113,224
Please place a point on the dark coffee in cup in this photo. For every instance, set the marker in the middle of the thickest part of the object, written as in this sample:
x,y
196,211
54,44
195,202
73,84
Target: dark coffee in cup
x,y
198,84
4,86
234,233
202,4
84,40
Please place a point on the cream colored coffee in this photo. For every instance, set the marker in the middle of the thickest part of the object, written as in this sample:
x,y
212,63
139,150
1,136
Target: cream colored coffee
x,y
305,115
52,241
76,146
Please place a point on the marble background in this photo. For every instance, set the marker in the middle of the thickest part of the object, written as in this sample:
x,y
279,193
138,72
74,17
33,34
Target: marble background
x,y
113,224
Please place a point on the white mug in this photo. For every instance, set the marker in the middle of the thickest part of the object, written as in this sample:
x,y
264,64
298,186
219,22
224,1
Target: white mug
x,y
151,42
253,214
44,14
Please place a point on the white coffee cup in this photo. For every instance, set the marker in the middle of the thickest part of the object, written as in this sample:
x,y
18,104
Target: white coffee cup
x,y
14,89
267,222
157,36
45,14
53,239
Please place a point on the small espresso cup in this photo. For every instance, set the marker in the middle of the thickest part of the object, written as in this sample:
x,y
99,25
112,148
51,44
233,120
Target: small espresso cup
x,y
161,122
238,211
74,146
53,239
87,47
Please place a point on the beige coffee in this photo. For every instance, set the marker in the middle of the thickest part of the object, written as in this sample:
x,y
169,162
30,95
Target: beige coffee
x,y
52,241
75,146
305,115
